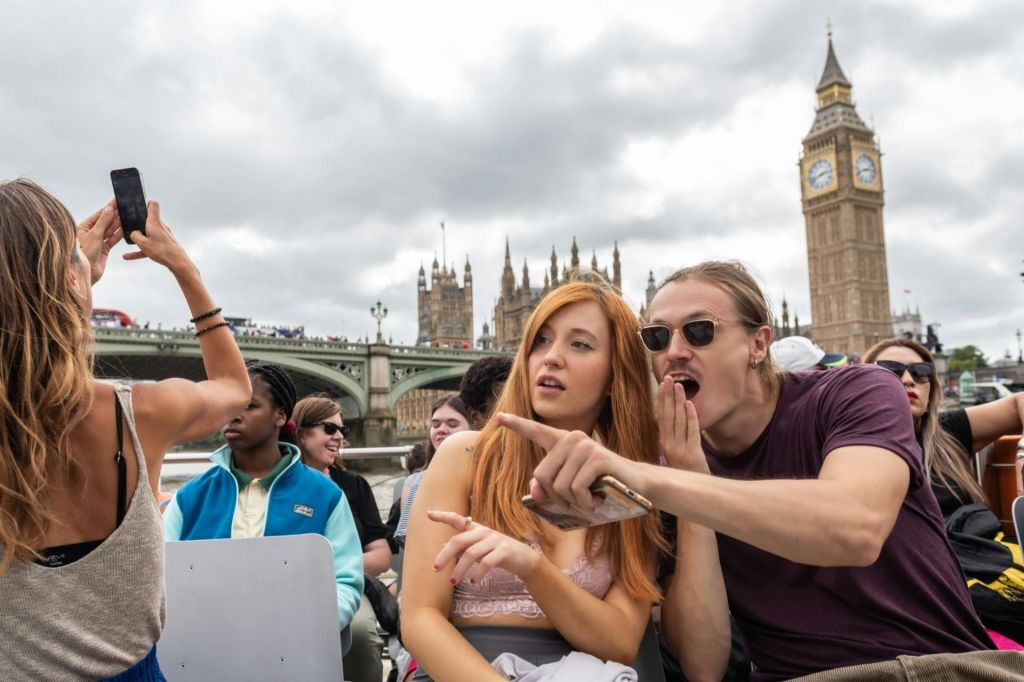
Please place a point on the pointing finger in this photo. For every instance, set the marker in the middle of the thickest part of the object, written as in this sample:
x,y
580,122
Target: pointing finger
x,y
541,434
456,521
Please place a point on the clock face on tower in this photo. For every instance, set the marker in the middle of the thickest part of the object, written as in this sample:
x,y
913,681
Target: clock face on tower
x,y
820,174
865,168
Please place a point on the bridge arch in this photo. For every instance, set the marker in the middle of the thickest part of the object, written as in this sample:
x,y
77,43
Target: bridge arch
x,y
346,383
425,378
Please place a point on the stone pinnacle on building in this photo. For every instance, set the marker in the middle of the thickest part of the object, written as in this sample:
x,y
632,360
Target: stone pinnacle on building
x,y
616,268
833,73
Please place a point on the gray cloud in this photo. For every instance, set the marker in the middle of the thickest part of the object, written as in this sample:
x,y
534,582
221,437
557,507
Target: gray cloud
x,y
294,134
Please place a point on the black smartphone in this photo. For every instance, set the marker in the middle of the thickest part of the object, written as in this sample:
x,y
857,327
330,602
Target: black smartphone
x,y
619,503
130,196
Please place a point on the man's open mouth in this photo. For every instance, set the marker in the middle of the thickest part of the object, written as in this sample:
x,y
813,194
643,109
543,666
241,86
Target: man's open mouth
x,y
690,386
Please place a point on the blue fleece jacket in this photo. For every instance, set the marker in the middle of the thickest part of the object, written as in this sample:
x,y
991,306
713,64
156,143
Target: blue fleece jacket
x,y
300,500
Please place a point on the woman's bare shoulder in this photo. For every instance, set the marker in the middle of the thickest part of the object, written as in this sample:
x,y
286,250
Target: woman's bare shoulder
x,y
453,461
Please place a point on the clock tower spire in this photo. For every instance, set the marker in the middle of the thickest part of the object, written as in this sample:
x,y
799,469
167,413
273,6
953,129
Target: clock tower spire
x,y
842,197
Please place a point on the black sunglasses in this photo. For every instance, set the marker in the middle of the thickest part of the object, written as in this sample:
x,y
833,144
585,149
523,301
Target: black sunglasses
x,y
920,372
330,428
697,333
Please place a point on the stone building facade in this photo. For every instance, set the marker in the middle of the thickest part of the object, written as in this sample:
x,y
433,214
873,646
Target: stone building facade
x,y
518,299
412,413
445,309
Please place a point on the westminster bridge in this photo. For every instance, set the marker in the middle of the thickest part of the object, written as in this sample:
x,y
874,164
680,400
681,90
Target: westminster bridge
x,y
367,378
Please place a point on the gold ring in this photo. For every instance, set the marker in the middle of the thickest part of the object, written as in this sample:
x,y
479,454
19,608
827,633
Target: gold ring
x,y
469,522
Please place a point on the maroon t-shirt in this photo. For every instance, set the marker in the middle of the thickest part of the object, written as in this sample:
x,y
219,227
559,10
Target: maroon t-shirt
x,y
799,619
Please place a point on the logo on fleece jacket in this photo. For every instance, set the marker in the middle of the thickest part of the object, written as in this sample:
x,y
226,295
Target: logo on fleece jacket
x,y
303,509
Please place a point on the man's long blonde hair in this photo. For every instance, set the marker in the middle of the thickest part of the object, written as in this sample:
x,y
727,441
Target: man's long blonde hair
x,y
504,461
45,363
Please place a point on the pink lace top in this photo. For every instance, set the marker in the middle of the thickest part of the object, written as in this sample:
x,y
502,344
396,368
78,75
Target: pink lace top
x,y
503,592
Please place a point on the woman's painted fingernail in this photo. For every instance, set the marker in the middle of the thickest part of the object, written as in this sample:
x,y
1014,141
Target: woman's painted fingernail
x,y
451,580
435,567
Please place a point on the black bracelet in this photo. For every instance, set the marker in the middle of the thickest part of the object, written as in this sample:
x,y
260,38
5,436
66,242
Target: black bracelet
x,y
200,332
204,316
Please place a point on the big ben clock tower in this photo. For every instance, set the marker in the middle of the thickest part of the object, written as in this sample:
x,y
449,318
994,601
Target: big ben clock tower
x,y
842,195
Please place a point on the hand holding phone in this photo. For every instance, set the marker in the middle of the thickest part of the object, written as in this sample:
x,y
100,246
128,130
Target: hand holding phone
x,y
618,504
130,197
97,235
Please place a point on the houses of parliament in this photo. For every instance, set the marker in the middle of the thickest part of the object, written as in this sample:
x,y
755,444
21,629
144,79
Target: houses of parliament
x,y
445,310
842,196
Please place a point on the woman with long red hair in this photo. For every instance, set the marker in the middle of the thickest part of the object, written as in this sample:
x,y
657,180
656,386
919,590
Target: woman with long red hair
x,y
485,576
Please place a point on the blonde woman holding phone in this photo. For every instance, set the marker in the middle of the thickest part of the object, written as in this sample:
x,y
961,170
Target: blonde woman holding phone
x,y
81,548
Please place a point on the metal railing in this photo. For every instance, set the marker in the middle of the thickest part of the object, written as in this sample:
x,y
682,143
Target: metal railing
x,y
178,337
348,453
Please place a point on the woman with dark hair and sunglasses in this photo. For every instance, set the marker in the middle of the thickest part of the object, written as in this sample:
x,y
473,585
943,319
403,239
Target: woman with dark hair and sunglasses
x,y
948,440
259,487
320,433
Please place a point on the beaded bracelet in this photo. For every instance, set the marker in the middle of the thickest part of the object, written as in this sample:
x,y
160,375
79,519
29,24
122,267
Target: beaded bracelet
x,y
204,316
200,332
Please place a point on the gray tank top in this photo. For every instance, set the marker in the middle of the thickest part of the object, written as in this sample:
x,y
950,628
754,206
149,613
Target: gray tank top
x,y
99,615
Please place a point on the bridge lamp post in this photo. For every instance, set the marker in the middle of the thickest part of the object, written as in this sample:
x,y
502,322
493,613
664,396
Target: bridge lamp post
x,y
379,314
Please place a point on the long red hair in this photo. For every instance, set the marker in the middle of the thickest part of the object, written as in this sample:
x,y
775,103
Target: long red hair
x,y
503,461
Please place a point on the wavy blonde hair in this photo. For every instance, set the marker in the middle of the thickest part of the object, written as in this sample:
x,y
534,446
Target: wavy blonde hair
x,y
45,362
944,456
504,461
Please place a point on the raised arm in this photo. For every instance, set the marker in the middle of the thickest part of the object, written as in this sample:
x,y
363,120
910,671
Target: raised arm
x,y
991,421
842,518
177,410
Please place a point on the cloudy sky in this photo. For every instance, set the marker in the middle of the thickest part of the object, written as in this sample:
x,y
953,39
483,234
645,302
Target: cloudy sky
x,y
305,152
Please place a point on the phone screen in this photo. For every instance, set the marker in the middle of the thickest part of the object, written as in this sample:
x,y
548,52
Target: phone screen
x,y
131,200
619,503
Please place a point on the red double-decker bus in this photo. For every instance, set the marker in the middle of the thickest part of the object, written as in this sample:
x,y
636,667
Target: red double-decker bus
x,y
108,317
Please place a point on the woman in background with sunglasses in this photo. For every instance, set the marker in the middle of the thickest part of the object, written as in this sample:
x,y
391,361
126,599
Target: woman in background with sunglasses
x,y
948,440
320,434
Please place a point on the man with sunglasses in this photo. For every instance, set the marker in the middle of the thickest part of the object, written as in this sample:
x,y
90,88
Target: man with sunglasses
x,y
803,493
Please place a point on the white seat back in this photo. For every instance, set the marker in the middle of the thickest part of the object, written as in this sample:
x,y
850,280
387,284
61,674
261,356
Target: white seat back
x,y
1018,517
251,609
